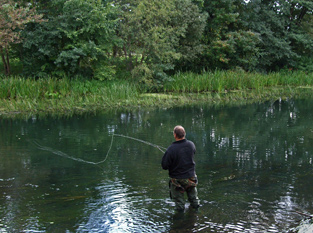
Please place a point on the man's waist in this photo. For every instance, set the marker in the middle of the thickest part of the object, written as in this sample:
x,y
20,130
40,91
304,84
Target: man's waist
x,y
184,184
180,175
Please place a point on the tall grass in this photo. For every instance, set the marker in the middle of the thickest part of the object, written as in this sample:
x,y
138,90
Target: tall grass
x,y
51,94
52,88
221,81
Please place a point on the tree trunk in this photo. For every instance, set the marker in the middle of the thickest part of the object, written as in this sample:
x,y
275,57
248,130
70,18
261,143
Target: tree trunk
x,y
142,58
4,57
302,14
8,63
128,59
130,62
115,51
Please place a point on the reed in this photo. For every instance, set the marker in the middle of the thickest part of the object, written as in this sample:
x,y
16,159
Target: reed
x,y
221,81
19,94
69,96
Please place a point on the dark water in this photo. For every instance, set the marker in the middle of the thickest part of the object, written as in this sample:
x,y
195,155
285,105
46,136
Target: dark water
x,y
254,165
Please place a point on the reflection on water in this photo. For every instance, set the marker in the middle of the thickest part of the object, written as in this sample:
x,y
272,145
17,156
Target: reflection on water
x,y
121,210
254,165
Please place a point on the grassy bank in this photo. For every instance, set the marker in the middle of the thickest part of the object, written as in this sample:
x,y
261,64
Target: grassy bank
x,y
221,81
26,96
62,96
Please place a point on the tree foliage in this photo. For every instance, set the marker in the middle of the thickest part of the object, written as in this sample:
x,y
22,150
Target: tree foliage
x,y
229,44
73,41
148,40
14,18
282,37
158,33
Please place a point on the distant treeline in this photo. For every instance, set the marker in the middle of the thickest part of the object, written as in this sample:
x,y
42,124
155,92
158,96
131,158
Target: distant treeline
x,y
152,40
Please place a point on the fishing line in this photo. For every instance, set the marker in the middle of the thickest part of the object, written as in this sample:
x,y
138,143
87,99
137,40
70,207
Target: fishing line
x,y
145,142
62,154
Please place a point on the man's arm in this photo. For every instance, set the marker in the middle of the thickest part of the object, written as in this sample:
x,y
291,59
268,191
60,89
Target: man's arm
x,y
165,161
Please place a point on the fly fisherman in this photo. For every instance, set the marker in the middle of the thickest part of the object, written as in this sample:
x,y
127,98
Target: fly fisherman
x,y
179,161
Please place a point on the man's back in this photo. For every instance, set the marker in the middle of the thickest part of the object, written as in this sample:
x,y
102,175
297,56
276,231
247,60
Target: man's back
x,y
179,159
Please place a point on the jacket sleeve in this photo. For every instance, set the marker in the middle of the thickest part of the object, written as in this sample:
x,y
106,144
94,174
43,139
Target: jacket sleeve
x,y
165,161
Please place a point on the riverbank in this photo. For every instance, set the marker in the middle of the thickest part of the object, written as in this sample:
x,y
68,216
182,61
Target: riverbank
x,y
25,97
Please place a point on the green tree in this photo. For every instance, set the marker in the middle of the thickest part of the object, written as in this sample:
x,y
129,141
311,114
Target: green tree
x,y
279,23
228,43
302,15
14,18
190,44
77,39
158,33
306,61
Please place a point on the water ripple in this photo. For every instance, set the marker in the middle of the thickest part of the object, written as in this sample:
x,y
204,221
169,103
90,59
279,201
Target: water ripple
x,y
118,209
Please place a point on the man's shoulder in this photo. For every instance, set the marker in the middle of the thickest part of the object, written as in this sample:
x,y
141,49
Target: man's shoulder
x,y
178,144
191,142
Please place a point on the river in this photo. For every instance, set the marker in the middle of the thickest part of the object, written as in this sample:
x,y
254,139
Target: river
x,y
91,173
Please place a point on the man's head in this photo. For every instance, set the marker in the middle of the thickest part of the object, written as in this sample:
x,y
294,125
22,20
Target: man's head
x,y
179,132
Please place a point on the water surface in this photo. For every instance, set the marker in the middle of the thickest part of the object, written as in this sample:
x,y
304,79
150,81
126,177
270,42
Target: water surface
x,y
254,165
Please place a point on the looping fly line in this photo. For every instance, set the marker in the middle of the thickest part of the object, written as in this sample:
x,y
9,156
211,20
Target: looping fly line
x,y
60,153
139,140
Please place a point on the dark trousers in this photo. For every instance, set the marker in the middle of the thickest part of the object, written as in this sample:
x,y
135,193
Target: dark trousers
x,y
179,197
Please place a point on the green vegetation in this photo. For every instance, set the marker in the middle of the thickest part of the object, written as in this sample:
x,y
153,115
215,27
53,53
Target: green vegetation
x,y
26,96
220,81
152,40
62,96
104,54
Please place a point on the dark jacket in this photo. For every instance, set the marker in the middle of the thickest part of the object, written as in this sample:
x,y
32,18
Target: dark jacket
x,y
179,159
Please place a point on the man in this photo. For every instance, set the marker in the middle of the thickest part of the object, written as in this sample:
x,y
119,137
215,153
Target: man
x,y
179,161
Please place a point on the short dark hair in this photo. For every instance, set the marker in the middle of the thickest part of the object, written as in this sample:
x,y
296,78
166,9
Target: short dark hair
x,y
179,131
